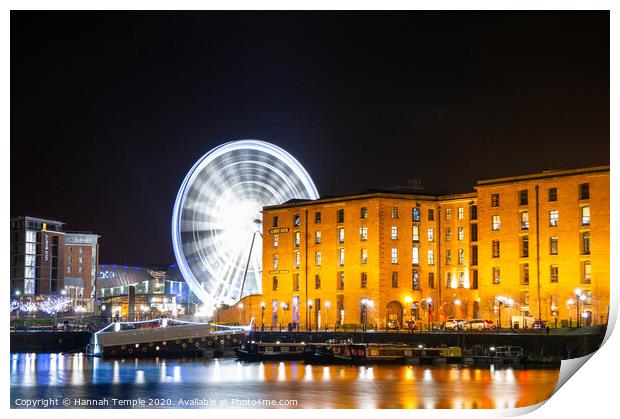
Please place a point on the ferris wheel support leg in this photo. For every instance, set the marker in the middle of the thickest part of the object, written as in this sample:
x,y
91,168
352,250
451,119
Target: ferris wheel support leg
x,y
247,265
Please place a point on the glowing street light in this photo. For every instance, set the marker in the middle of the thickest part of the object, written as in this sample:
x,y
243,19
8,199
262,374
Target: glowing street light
x,y
580,297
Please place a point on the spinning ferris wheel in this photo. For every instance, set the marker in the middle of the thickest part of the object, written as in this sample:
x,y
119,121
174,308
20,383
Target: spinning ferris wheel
x,y
217,218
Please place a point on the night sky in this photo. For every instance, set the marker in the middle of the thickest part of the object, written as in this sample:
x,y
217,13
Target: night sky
x,y
110,110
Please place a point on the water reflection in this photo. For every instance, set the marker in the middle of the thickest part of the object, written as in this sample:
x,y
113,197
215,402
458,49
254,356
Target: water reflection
x,y
313,386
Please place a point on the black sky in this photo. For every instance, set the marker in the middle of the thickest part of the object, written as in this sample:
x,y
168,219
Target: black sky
x,y
110,110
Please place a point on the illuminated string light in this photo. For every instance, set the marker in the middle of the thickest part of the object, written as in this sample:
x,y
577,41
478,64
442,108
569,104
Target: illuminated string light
x,y
217,216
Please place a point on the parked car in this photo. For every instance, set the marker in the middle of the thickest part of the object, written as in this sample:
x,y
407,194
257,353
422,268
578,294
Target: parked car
x,y
479,324
453,324
539,324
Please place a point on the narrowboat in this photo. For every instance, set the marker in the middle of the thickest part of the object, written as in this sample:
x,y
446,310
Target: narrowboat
x,y
264,351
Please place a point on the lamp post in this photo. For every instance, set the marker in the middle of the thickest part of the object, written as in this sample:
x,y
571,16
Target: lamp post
x,y
429,302
408,301
262,316
580,297
327,304
309,320
570,303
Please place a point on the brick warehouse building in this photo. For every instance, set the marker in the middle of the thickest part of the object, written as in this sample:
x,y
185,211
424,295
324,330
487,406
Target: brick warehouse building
x,y
47,261
527,241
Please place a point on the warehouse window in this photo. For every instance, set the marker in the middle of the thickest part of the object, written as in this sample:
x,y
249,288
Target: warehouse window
x,y
495,200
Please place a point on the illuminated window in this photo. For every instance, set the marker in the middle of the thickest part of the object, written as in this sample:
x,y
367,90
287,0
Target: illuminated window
x,y
448,234
394,233
585,216
461,213
448,279
584,191
415,280
341,235
553,194
415,233
297,220
553,245
68,269
394,255
554,273
586,277
415,256
461,256
394,279
364,280
553,218
276,240
495,275
495,223
364,256
525,220
461,279
394,212
585,243
431,234
275,261
525,274
341,257
297,260
364,213
297,238
430,256
495,248
448,213
495,200
317,259
364,233
461,234
317,237
448,256
340,280
415,214
523,197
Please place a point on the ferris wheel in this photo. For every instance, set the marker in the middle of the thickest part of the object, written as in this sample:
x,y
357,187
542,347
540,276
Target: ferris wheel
x,y
217,216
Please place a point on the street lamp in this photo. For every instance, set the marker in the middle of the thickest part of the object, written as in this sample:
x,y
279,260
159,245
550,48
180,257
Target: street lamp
x,y
570,303
500,300
262,316
408,301
580,297
429,302
309,320
327,304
